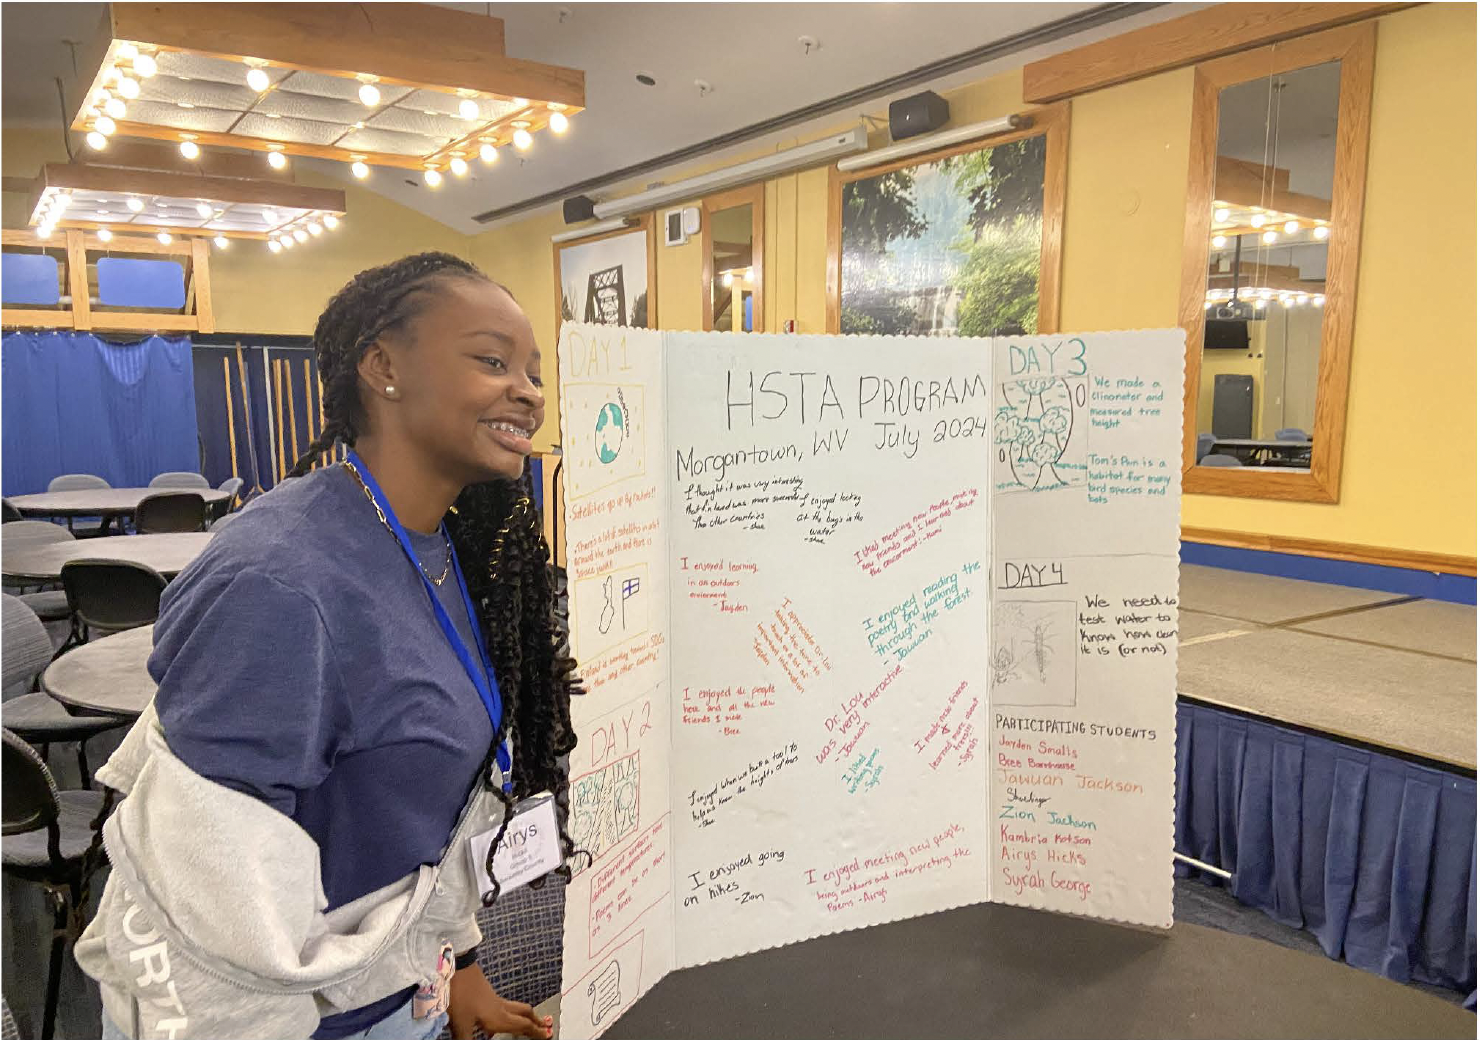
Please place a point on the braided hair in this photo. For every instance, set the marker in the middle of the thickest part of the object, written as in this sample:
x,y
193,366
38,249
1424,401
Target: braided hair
x,y
495,531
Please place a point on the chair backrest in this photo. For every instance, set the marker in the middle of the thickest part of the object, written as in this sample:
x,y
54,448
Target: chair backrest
x,y
1291,433
1204,444
1219,460
231,485
220,522
28,799
25,648
33,532
77,482
170,512
112,594
180,479
9,512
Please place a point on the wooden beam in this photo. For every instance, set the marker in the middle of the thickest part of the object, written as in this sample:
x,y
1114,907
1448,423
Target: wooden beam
x,y
1413,559
200,269
77,281
121,243
138,321
153,155
405,43
1178,42
31,317
1243,184
188,186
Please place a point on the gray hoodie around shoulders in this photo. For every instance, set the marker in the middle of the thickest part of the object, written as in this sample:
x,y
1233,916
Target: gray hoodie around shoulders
x,y
213,926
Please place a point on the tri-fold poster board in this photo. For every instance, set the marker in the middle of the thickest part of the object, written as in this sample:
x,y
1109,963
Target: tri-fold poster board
x,y
872,627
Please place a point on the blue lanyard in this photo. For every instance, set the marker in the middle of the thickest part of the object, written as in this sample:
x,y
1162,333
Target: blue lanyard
x,y
483,677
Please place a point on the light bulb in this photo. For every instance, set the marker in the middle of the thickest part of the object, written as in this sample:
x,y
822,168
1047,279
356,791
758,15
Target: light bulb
x,y
190,149
359,169
203,209
458,166
96,141
277,160
1265,294
1292,226
63,201
432,177
1300,298
467,108
729,279
135,204
127,52
559,123
300,234
115,107
101,97
487,152
105,126
270,215
1258,305
221,241
1219,241
129,88
274,245
104,235
287,241
43,231
1287,301
258,80
145,65
1318,300
165,238
1220,215
1257,220
314,228
522,139
331,221
749,276
1269,237
369,95
1322,231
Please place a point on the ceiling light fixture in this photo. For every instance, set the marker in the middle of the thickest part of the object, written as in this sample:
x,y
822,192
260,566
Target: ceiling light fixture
x,y
487,152
315,229
136,204
359,169
522,139
190,149
1322,232
104,235
165,238
468,108
105,126
331,221
129,88
1292,226
277,160
369,95
1220,215
221,241
203,209
274,245
258,80
432,177
96,141
145,66
458,166
115,107
558,123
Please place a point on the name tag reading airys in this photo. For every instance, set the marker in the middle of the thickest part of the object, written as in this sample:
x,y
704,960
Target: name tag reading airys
x,y
530,847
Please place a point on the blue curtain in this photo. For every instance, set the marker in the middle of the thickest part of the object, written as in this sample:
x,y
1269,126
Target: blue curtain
x,y
1372,854
75,403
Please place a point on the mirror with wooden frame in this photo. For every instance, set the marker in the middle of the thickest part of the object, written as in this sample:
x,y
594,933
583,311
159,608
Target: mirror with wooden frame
x,y
1274,212
733,236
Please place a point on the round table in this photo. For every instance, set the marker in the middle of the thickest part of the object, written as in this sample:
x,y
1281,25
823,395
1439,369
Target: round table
x,y
108,676
105,502
169,554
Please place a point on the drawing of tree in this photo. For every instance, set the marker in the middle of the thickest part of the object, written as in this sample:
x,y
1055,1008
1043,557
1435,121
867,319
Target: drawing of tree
x,y
1027,436
1055,421
1035,388
1006,426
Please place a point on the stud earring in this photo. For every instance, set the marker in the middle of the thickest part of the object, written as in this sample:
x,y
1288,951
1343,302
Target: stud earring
x,y
390,391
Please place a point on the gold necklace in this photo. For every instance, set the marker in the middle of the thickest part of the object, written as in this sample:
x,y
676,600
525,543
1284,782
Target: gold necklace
x,y
446,569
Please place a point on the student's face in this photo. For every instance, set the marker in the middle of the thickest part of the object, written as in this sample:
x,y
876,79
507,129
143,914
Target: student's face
x,y
469,381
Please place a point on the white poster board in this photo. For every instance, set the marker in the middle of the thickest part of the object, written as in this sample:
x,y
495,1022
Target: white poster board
x,y
873,627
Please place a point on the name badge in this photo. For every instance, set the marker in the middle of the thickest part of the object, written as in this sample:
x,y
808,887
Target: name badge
x,y
530,848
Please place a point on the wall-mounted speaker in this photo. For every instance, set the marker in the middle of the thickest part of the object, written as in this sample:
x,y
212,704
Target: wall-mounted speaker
x,y
917,114
580,208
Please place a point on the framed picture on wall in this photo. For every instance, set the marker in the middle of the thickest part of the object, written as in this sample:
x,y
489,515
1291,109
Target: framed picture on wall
x,y
965,241
608,279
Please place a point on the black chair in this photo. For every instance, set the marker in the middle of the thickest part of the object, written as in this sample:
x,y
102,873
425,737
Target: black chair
x,y
232,486
9,512
47,600
35,717
170,513
51,838
110,596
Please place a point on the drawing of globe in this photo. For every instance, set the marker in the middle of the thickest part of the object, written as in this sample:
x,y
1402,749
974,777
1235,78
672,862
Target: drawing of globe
x,y
610,433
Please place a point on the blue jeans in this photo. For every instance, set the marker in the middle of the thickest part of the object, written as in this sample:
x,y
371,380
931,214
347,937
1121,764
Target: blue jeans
x,y
399,1025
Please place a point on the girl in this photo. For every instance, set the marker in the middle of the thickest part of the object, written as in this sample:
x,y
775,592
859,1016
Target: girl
x,y
328,736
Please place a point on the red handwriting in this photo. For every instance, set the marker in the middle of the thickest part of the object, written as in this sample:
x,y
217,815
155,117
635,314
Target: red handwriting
x,y
718,583
724,707
611,666
951,732
842,724
611,503
630,885
785,642
597,554
885,551
867,879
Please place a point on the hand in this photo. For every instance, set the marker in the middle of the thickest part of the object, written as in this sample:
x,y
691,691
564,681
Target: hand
x,y
474,1004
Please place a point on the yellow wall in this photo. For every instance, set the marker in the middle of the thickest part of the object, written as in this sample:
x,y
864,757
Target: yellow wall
x,y
1409,480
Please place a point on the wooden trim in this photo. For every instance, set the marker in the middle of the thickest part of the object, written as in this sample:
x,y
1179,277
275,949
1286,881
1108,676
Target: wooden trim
x,y
30,317
77,281
121,243
400,43
754,196
645,222
1412,559
191,186
1355,47
1179,42
1051,122
200,266
184,234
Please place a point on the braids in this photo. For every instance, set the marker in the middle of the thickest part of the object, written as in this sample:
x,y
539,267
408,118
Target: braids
x,y
495,531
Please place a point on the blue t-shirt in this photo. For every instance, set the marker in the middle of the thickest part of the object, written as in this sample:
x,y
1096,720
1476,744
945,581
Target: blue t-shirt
x,y
299,661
